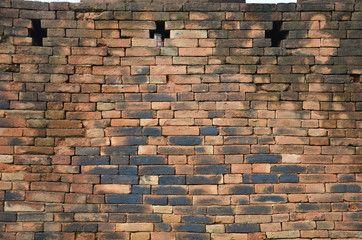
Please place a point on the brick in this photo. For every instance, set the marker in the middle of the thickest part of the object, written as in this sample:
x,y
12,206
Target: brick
x,y
229,236
263,159
341,188
284,234
8,217
260,178
40,196
23,207
148,159
242,228
235,189
122,227
156,170
157,70
112,189
188,34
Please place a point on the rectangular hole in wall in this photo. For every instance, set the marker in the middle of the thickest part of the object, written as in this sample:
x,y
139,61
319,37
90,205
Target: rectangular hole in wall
x,y
355,78
276,34
160,33
37,33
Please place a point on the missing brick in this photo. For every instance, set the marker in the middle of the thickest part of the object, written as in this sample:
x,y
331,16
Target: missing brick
x,y
276,34
160,33
37,33
355,78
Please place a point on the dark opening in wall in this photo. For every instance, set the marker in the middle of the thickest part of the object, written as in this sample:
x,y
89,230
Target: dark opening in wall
x,y
160,33
276,34
355,78
37,33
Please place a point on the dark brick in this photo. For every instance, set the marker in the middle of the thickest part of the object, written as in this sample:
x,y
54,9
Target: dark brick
x,y
260,178
203,179
220,210
288,169
148,160
288,178
152,131
263,158
124,131
123,160
159,97
212,169
197,219
90,160
209,131
119,179
169,190
354,216
123,199
139,189
128,170
154,218
35,217
193,236
155,200
185,140
156,170
111,236
242,228
346,178
119,150
80,227
139,114
189,227
7,217
240,189
254,210
172,180
259,7
86,151
310,207
241,201
270,198
162,227
14,195
136,79
51,236
177,201
342,188
4,104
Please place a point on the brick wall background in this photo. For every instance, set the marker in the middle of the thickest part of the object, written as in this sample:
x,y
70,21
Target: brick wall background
x,y
245,125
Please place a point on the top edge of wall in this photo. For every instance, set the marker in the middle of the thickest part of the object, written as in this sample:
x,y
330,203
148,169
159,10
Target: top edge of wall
x,y
182,1
167,1
215,1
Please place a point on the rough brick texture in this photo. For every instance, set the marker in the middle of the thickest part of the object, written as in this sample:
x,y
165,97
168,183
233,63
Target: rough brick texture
x,y
243,121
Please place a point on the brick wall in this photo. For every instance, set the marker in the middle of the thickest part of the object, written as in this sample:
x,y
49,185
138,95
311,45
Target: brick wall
x,y
245,125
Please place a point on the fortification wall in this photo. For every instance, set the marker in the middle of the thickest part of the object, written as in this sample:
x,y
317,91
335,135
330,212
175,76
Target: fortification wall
x,y
242,121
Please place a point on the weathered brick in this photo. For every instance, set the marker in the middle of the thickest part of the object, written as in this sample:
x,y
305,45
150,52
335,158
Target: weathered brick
x,y
242,228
